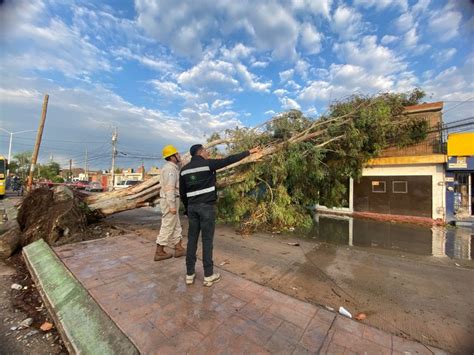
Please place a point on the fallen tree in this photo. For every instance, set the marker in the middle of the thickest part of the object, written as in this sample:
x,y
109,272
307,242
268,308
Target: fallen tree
x,y
304,161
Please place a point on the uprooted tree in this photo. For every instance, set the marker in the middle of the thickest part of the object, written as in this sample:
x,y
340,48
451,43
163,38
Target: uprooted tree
x,y
304,161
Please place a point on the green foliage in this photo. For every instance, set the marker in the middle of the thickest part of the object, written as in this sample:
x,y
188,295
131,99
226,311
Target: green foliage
x,y
20,164
279,192
49,171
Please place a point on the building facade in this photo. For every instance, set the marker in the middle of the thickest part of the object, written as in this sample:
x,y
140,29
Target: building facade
x,y
404,182
460,177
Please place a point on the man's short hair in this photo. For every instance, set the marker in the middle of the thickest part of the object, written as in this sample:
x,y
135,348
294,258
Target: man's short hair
x,y
195,149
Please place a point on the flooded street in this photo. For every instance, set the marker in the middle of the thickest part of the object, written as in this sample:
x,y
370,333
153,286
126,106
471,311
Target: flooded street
x,y
411,281
441,242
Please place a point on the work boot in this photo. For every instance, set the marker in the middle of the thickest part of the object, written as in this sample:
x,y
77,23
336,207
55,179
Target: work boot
x,y
179,250
161,254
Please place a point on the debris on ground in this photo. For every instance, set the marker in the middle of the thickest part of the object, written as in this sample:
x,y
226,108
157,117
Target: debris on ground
x,y
25,323
361,316
16,287
345,312
223,263
22,313
292,244
329,308
46,326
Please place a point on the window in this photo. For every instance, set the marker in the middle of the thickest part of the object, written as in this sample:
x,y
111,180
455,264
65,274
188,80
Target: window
x,y
378,186
400,187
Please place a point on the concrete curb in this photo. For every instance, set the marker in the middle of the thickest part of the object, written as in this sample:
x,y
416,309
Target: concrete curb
x,y
83,325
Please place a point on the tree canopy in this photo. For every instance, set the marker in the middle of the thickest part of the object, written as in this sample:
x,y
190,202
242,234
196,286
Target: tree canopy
x,y
314,158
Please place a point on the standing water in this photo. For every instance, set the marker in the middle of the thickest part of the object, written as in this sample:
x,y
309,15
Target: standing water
x,y
455,243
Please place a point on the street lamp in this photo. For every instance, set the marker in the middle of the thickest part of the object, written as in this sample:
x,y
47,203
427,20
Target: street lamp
x,y
11,140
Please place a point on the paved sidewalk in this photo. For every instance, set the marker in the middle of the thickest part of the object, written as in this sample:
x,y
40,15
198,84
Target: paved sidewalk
x,y
150,302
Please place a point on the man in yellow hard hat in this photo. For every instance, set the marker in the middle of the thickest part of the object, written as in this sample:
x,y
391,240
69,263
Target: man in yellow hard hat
x,y
170,231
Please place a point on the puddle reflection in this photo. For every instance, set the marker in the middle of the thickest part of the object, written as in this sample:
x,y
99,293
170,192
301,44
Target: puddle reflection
x,y
456,243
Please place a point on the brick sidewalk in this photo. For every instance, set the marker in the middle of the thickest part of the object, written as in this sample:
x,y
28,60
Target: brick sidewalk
x,y
150,302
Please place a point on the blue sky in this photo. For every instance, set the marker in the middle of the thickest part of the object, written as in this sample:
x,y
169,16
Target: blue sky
x,y
168,71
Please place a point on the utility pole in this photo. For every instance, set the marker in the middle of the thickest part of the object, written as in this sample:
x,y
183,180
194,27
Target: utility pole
x,y
39,135
85,167
114,153
10,145
70,170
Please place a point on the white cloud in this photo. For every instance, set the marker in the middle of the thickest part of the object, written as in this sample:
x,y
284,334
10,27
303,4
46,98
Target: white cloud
x,y
445,55
347,79
311,111
270,112
19,94
289,104
302,68
221,75
54,46
188,26
411,38
146,60
250,80
382,4
368,54
218,104
421,6
281,92
347,22
260,64
387,39
92,110
445,23
310,39
239,51
14,13
453,84
286,75
316,7
274,29
405,22
180,25
172,90
291,84
210,74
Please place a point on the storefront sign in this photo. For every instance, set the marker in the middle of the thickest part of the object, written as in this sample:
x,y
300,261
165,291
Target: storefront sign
x,y
457,163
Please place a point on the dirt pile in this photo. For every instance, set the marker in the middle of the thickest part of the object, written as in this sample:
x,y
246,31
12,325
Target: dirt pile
x,y
58,216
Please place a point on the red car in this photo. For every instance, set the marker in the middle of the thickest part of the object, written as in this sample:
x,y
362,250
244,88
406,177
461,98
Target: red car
x,y
80,185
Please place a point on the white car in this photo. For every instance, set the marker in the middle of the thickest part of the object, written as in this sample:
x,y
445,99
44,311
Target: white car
x,y
126,183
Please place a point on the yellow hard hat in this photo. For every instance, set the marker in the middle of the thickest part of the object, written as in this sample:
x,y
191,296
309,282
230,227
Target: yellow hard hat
x,y
169,150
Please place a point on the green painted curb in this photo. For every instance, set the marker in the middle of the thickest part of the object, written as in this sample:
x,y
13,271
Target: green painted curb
x,y
84,326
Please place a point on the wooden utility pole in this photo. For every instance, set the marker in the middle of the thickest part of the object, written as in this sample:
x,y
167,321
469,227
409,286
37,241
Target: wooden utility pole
x,y
86,172
39,135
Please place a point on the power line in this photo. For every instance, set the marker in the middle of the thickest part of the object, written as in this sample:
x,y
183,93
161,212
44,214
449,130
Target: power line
x,y
462,102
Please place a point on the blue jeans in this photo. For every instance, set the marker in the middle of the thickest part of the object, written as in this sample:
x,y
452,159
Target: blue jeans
x,y
202,218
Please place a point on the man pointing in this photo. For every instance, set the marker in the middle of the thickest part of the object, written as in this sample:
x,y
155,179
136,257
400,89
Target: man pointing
x,y
197,186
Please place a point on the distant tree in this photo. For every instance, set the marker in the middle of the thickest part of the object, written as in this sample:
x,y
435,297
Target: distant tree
x,y
20,165
49,171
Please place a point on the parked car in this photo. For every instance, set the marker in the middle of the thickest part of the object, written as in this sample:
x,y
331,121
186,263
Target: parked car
x,y
94,186
80,185
126,183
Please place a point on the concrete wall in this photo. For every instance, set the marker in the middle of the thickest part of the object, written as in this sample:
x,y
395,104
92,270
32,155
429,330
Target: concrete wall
x,y
434,170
